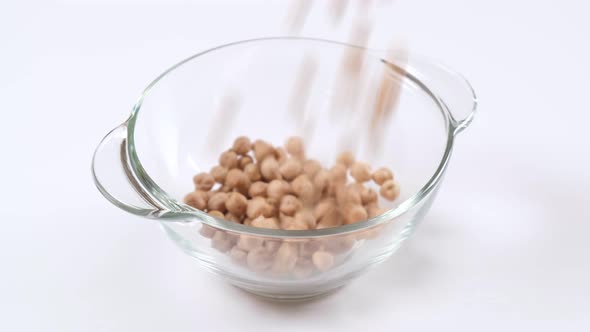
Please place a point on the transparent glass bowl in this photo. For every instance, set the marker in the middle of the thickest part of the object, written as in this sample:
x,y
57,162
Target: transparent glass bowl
x,y
189,114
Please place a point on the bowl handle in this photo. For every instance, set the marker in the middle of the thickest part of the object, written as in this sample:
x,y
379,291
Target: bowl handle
x,y
112,176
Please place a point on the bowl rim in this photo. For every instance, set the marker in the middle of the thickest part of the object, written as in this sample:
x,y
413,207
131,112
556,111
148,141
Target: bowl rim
x,y
176,211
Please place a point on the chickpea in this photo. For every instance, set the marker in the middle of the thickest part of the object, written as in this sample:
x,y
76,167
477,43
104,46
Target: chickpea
x,y
354,213
305,217
263,222
338,174
217,202
259,259
308,247
242,145
258,206
311,167
360,171
197,199
373,210
207,231
237,179
294,146
219,173
289,205
294,224
323,208
216,214
269,168
233,218
291,168
253,173
237,255
347,194
303,268
221,241
228,159
285,258
368,195
381,175
345,158
203,181
262,150
323,260
321,181
332,219
280,155
390,190
245,161
303,188
249,243
236,204
258,189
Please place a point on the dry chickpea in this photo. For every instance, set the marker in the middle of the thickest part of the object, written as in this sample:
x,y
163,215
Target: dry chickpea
x,y
262,150
263,222
221,241
242,145
203,181
323,260
321,181
228,159
269,168
291,168
249,243
373,210
294,224
236,204
294,146
303,268
381,175
311,167
277,189
217,202
345,158
259,259
258,206
338,174
207,231
308,247
323,208
252,172
216,214
354,213
347,195
360,171
258,189
237,179
219,173
245,161
368,195
390,190
197,199
289,205
305,216
239,256
280,155
332,219
303,188
272,245
285,258
233,218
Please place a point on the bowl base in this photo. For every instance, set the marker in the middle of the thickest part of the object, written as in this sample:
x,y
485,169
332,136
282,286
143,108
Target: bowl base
x,y
298,297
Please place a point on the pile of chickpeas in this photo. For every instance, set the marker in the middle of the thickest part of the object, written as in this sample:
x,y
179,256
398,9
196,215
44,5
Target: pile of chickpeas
x,y
259,185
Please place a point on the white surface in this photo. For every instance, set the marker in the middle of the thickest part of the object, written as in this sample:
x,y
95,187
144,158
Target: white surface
x,y
505,246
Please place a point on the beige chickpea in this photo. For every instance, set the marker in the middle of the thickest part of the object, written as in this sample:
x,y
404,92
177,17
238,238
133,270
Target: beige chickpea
x,y
368,195
228,159
291,168
354,213
305,217
381,175
262,150
289,205
197,199
321,181
203,181
345,158
294,224
323,260
207,231
221,241
237,179
303,188
338,174
280,155
311,167
249,243
258,206
236,204
258,189
245,161
285,258
269,168
277,189
259,259
252,171
216,214
237,255
332,219
303,269
360,171
347,195
308,247
263,222
233,218
219,173
217,202
272,245
323,208
374,210
390,190
294,147
242,145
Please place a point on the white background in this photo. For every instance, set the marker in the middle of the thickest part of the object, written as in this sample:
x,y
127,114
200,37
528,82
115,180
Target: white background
x,y
506,245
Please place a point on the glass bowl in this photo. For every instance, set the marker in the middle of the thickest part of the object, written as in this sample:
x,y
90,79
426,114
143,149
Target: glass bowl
x,y
194,110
